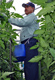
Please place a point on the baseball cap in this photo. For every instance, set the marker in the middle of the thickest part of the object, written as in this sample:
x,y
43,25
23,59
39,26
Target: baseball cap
x,y
28,4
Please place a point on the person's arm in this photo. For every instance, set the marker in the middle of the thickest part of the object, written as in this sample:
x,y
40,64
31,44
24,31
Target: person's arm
x,y
22,22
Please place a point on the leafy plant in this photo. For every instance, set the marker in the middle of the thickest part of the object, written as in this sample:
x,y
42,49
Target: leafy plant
x,y
5,74
7,35
46,39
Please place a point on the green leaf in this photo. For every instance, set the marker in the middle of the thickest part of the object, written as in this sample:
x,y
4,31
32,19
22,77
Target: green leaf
x,y
34,47
47,19
7,79
43,43
13,7
49,8
52,63
3,0
53,15
39,2
53,77
47,60
4,75
8,5
53,32
16,15
53,71
2,44
52,51
36,59
40,49
39,31
42,77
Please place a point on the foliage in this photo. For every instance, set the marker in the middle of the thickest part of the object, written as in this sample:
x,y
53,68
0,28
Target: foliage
x,y
7,34
5,74
46,39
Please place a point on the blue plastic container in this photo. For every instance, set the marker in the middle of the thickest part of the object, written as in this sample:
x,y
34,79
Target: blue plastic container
x,y
19,52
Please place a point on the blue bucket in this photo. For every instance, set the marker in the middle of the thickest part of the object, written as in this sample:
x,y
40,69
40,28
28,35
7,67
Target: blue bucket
x,y
20,52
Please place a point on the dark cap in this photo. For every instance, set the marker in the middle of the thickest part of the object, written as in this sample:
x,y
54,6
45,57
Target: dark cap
x,y
29,4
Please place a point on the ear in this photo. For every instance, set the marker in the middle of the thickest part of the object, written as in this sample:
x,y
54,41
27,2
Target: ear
x,y
33,9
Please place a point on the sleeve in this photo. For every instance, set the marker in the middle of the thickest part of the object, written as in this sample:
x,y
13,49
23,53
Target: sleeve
x,y
22,22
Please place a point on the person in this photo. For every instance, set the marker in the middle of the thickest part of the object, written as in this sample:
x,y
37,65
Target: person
x,y
29,25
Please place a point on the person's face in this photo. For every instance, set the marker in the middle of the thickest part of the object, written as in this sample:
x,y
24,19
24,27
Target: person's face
x,y
28,10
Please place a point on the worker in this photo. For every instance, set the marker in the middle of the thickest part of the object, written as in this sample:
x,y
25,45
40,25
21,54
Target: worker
x,y
29,25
